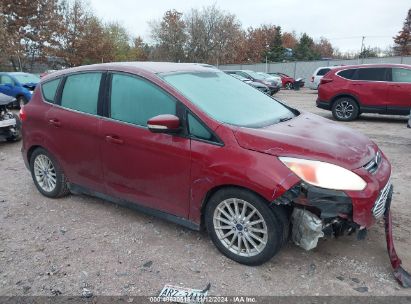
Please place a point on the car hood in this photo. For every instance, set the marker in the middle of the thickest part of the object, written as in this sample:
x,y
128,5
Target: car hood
x,y
312,137
5,99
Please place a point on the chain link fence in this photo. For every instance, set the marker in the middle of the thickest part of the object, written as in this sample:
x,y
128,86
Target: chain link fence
x,y
305,69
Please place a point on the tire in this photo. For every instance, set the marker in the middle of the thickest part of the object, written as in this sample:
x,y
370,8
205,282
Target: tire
x,y
21,101
345,109
41,160
263,239
288,86
17,134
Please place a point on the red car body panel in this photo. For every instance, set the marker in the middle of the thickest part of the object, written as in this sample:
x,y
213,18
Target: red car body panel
x,y
176,174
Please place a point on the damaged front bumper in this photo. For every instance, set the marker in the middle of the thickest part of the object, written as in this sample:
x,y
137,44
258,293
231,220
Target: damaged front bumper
x,y
318,212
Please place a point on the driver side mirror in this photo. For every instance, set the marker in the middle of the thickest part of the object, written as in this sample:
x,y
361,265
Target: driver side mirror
x,y
164,123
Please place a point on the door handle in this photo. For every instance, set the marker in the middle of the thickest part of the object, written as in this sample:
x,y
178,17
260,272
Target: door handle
x,y
55,122
114,139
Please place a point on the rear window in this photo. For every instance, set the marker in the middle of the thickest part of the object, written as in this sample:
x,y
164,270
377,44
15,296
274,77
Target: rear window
x,y
371,74
81,91
322,72
347,74
401,75
49,90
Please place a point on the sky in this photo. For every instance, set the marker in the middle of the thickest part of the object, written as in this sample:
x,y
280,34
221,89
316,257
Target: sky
x,y
343,22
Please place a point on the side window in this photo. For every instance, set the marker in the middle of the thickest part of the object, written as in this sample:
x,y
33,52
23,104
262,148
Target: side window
x,y
136,100
347,74
197,129
371,74
322,72
401,75
49,90
81,92
6,80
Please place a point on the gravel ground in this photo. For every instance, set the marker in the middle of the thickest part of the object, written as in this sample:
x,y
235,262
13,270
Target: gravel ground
x,y
64,246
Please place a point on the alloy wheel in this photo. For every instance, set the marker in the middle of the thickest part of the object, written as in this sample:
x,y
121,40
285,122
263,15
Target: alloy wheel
x,y
45,173
344,109
240,227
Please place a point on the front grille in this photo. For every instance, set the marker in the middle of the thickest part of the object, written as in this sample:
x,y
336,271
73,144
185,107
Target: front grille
x,y
379,206
372,165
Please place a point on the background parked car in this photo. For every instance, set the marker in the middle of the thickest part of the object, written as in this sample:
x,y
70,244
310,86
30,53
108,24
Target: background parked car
x,y
317,75
258,85
10,124
19,85
409,121
288,81
272,78
373,88
254,76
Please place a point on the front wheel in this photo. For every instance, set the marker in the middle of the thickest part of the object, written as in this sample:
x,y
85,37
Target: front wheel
x,y
288,86
243,227
345,109
47,175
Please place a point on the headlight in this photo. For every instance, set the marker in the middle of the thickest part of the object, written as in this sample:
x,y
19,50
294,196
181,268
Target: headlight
x,y
324,175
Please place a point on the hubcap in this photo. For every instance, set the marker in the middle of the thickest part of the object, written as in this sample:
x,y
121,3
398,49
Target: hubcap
x,y
240,227
344,109
45,173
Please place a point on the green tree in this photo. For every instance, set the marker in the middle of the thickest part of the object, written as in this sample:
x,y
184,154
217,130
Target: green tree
x,y
403,39
276,52
304,49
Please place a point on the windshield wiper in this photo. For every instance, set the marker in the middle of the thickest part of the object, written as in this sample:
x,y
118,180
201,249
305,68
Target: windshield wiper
x,y
285,119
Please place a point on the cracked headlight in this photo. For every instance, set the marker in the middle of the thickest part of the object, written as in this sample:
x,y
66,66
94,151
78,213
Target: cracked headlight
x,y
324,175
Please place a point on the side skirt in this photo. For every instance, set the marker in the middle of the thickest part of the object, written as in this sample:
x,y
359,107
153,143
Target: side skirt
x,y
76,189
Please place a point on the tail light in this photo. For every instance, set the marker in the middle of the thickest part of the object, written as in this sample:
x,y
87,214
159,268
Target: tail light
x,y
325,80
22,114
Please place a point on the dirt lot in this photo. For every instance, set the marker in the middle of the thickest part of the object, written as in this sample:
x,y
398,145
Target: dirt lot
x,y
53,247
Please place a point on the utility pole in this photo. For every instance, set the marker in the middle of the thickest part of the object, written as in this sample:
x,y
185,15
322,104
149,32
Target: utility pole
x,y
362,48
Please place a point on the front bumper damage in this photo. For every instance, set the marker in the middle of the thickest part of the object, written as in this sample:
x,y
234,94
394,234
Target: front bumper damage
x,y
319,212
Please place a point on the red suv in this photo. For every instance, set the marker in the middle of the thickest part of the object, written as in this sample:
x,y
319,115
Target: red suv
x,y
349,91
196,146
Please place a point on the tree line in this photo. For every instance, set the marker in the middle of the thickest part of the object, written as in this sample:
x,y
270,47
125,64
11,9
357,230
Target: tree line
x,y
68,33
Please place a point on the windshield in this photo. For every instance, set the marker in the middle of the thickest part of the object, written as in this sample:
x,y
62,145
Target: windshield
x,y
255,75
26,78
266,76
240,77
228,100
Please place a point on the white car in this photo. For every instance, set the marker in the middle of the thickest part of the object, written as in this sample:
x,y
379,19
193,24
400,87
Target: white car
x,y
316,78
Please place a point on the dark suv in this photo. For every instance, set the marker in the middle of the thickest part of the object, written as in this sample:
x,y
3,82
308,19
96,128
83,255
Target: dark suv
x,y
349,91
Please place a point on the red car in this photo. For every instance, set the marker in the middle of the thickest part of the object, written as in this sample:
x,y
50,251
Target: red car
x,y
196,146
349,91
287,81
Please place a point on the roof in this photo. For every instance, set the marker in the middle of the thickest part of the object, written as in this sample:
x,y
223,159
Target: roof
x,y
145,66
373,65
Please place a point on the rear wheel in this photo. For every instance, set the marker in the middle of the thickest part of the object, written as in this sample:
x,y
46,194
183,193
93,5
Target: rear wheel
x,y
47,175
345,109
243,227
